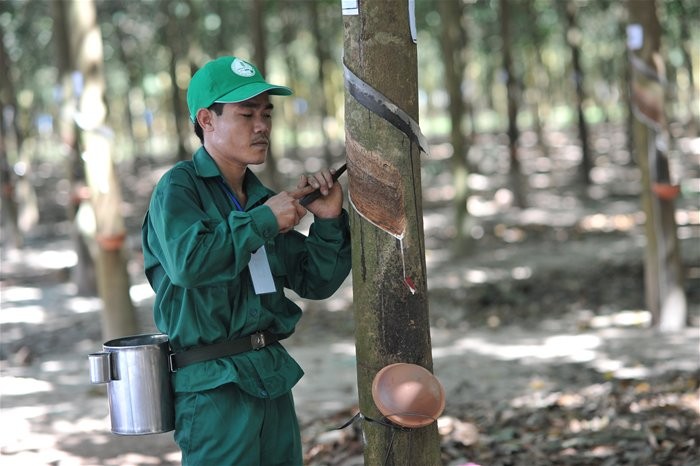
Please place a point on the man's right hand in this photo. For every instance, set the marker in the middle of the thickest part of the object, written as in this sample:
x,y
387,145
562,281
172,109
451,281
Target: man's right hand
x,y
287,210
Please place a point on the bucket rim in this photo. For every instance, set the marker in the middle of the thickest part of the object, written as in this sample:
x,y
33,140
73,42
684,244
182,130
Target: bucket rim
x,y
120,343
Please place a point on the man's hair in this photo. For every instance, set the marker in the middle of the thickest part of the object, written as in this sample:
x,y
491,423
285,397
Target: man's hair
x,y
216,107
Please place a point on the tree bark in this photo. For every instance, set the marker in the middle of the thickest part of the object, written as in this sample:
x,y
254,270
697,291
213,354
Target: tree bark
x,y
665,294
389,274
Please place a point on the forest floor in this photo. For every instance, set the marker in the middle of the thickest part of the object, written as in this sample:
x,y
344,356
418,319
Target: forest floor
x,y
539,337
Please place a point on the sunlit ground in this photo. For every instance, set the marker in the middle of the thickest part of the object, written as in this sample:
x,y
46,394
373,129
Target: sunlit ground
x,y
51,415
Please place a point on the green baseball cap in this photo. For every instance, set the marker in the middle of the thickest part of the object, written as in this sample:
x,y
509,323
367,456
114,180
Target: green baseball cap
x,y
227,80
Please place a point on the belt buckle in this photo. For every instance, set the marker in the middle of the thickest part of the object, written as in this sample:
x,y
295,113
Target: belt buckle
x,y
257,341
171,362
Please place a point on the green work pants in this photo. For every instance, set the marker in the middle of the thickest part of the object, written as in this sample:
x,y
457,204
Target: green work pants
x,y
228,427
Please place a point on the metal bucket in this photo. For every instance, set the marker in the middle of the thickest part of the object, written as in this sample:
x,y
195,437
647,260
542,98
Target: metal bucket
x,y
140,395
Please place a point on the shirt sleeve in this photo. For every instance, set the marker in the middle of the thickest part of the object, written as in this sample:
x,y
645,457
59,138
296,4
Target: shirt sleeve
x,y
322,260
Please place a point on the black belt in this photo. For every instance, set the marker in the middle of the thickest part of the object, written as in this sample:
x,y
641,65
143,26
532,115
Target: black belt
x,y
255,341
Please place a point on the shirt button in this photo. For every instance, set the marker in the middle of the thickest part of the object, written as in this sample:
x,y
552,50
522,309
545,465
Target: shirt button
x,y
263,393
254,312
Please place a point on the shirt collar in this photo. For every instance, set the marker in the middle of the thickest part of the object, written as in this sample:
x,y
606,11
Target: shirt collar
x,y
206,168
204,164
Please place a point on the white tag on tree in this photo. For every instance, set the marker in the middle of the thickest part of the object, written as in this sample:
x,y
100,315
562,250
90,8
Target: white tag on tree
x,y
260,272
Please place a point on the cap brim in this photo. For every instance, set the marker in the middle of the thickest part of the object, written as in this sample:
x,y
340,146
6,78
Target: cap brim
x,y
251,90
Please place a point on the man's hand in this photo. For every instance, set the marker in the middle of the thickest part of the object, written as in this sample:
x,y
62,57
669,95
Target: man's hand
x,y
330,204
286,209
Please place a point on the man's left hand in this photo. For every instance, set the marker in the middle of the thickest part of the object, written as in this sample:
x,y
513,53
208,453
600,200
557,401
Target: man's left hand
x,y
330,203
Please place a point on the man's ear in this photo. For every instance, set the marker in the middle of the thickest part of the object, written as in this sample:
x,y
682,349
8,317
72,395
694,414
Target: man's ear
x,y
204,118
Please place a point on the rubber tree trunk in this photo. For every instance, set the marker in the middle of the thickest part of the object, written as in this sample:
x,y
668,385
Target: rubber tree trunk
x,y
453,42
321,51
573,38
687,47
8,202
537,78
176,37
270,173
389,275
83,274
665,295
290,29
517,183
118,316
10,149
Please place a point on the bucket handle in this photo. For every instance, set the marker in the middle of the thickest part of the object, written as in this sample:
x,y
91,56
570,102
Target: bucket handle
x,y
100,367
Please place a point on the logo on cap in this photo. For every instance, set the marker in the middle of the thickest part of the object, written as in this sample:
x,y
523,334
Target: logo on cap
x,y
242,68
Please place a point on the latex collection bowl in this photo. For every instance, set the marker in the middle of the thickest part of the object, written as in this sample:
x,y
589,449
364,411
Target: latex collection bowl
x,y
408,395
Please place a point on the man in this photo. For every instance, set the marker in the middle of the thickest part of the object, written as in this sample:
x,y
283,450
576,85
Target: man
x,y
219,248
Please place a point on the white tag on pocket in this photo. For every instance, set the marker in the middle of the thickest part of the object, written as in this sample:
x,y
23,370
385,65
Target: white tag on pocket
x,y
260,272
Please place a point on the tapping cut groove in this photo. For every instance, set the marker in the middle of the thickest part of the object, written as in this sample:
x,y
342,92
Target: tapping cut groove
x,y
375,188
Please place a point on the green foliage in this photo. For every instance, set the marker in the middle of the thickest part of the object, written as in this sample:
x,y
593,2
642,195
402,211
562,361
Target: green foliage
x,y
142,37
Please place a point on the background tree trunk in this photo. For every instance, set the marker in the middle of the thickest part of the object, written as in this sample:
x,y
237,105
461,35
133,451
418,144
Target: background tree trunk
x,y
174,34
573,38
537,79
665,294
10,142
119,317
454,42
83,275
270,173
289,31
513,97
384,179
685,16
320,49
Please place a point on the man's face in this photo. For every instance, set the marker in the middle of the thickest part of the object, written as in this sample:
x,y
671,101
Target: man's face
x,y
242,132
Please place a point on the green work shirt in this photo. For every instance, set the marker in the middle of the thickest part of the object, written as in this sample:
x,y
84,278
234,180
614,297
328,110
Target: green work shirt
x,y
196,248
